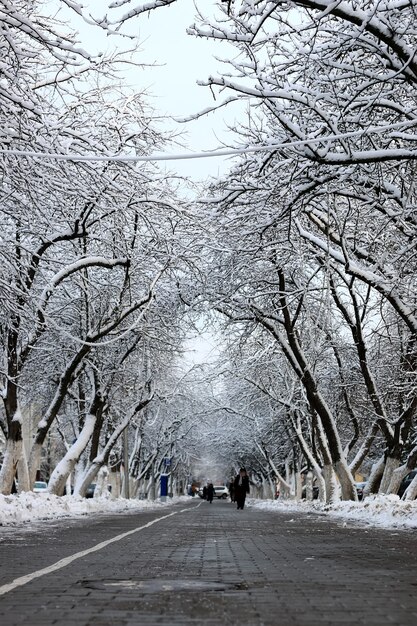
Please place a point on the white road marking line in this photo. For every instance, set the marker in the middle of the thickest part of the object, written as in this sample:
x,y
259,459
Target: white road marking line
x,y
23,580
194,507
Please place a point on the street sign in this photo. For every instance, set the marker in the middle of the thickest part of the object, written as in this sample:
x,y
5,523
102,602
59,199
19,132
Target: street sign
x,y
164,487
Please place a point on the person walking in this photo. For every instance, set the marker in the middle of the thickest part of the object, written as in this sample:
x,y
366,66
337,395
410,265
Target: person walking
x,y
210,492
241,488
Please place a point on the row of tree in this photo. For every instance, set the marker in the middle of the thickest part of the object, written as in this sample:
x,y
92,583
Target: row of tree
x,y
311,237
304,253
92,251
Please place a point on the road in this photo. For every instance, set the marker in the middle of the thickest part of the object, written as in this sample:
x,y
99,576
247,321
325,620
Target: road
x,y
197,563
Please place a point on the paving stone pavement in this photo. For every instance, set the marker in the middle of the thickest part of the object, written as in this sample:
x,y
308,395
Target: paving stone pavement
x,y
210,565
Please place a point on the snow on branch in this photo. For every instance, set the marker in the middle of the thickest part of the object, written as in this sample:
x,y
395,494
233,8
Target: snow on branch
x,y
381,284
367,21
40,30
135,12
92,261
96,261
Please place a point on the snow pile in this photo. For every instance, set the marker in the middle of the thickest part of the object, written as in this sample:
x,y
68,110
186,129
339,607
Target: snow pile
x,y
386,511
31,507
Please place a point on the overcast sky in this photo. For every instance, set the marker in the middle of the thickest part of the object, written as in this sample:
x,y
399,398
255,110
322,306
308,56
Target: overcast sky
x,y
181,60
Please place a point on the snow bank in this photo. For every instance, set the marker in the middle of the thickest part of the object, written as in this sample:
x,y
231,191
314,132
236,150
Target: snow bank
x,y
384,511
31,507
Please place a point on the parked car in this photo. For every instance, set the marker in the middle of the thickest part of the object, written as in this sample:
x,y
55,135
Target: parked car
x,y
405,482
359,489
39,486
221,491
90,490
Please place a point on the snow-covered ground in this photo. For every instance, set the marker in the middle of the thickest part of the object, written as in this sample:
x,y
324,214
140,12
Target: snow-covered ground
x,y
385,511
31,507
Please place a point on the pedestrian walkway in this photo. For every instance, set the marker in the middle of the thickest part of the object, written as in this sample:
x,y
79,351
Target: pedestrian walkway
x,y
210,565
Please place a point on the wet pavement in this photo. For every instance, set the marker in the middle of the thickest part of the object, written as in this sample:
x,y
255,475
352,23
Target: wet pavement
x,y
210,565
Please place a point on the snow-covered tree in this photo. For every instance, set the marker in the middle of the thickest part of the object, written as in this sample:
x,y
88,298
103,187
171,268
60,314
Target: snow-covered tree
x,y
85,244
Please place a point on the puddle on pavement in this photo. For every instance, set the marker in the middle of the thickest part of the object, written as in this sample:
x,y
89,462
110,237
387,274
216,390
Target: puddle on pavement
x,y
159,585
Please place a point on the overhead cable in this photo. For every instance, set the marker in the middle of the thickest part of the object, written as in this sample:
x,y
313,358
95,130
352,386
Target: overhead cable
x,y
209,154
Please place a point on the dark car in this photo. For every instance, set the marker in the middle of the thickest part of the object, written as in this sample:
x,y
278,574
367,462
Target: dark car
x,y
90,490
405,482
359,489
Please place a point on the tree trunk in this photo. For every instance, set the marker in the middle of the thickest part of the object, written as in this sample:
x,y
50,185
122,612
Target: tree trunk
x,y
44,425
101,487
12,456
332,486
375,477
64,468
391,464
23,472
34,461
401,472
90,475
411,492
364,449
309,486
311,461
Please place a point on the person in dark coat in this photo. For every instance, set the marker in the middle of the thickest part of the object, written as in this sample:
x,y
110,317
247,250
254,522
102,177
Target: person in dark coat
x,y
241,488
210,492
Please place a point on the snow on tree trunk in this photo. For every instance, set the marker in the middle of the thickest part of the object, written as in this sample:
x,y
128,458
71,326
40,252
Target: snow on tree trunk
x,y
135,489
312,461
391,464
257,490
332,486
151,488
102,458
102,482
411,491
264,490
285,483
363,451
23,473
309,485
13,453
131,484
402,471
12,456
34,462
346,482
88,477
396,477
321,484
66,465
298,487
288,484
375,477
